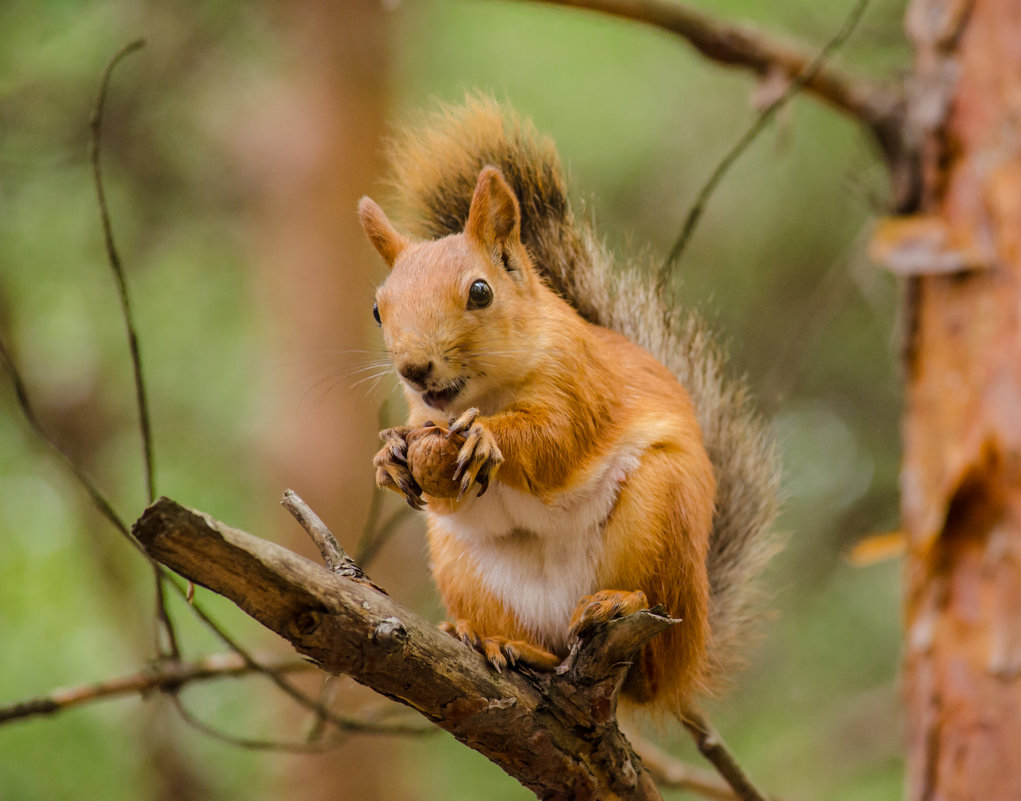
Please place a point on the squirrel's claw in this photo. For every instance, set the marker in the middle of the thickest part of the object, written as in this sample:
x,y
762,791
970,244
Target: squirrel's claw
x,y
395,444
501,652
460,425
462,630
392,471
478,460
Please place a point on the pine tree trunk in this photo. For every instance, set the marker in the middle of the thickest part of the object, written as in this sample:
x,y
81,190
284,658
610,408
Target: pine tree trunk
x,y
961,478
317,150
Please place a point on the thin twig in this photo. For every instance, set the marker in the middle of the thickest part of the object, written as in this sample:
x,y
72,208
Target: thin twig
x,y
333,554
99,500
171,649
879,107
317,725
104,506
252,744
712,747
297,746
165,676
676,775
371,522
374,535
28,412
340,721
95,125
369,546
802,79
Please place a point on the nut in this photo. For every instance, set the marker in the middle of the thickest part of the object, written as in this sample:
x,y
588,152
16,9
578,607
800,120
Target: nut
x,y
432,457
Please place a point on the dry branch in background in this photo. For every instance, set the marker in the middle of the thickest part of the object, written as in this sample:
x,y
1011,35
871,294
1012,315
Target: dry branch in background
x,y
166,676
879,107
555,733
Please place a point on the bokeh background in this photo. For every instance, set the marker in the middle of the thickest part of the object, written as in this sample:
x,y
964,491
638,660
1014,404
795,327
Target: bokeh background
x,y
235,147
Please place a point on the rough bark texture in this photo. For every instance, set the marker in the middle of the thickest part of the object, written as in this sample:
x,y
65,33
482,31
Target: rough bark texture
x,y
555,733
961,478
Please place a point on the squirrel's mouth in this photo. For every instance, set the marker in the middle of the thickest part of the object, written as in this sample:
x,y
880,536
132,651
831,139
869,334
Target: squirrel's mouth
x,y
441,398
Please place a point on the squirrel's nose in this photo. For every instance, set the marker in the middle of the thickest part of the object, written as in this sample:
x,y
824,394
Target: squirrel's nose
x,y
416,373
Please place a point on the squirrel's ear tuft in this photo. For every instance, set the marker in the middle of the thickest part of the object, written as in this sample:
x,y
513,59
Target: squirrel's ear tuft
x,y
383,236
494,219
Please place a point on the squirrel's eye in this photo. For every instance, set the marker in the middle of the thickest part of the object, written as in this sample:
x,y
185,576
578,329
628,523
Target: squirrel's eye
x,y
480,295
375,313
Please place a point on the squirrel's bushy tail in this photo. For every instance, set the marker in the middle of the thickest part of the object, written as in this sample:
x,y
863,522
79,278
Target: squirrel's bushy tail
x,y
436,162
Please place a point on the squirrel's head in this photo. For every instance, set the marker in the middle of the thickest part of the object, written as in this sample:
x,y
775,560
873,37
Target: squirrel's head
x,y
460,315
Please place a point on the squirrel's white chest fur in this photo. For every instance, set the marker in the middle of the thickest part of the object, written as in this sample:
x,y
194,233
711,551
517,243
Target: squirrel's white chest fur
x,y
540,558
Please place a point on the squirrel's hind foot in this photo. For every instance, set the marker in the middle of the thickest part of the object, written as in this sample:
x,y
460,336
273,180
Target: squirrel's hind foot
x,y
604,606
501,652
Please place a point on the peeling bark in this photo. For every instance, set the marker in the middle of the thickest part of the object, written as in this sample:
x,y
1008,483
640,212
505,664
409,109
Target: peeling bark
x,y
961,477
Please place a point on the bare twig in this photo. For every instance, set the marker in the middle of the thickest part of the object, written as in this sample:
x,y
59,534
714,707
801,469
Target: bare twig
x,y
253,744
368,535
802,78
334,556
304,746
316,727
171,648
342,722
96,126
879,107
712,747
674,774
375,534
28,412
164,676
169,661
103,505
374,538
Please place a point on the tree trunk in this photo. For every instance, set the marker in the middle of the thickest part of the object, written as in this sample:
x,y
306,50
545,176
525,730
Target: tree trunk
x,y
961,478
318,149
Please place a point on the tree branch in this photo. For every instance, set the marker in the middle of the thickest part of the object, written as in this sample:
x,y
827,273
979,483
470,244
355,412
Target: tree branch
x,y
113,257
555,733
27,408
878,107
712,747
334,556
166,676
172,676
677,775
799,81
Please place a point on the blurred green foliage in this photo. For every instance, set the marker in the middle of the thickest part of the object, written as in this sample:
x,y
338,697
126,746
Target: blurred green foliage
x,y
777,264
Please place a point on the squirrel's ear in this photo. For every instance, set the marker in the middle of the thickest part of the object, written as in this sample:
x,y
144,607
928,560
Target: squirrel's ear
x,y
383,236
494,217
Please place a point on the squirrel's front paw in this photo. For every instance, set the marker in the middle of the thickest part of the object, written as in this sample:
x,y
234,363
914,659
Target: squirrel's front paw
x,y
392,471
480,457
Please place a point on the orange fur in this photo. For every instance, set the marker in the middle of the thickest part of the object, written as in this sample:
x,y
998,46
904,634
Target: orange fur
x,y
581,416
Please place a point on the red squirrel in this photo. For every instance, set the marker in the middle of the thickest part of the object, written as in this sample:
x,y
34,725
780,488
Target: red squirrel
x,y
584,481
